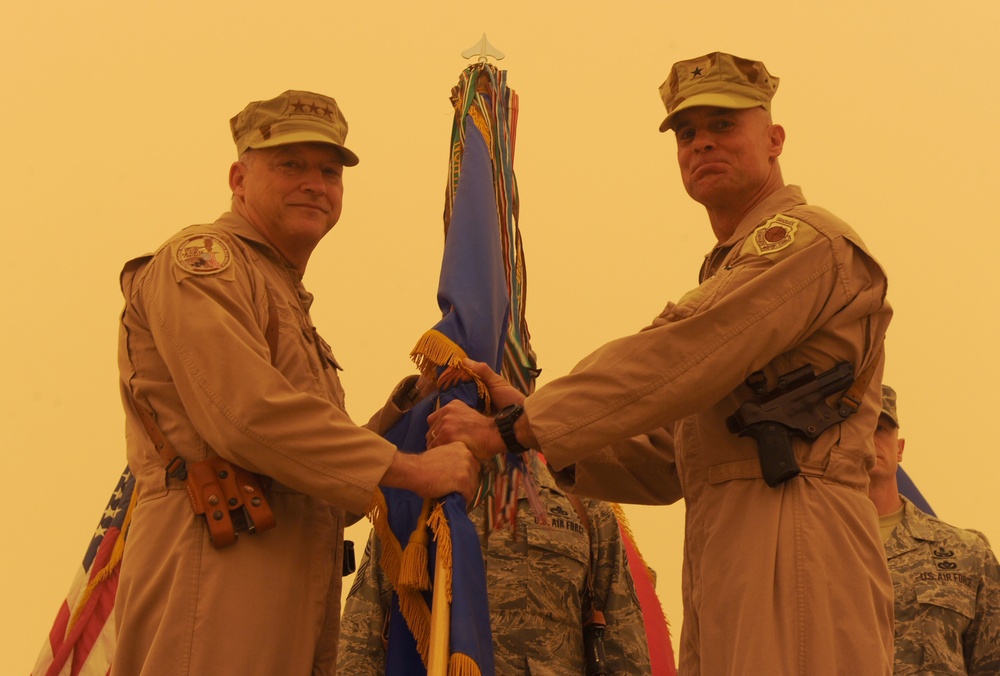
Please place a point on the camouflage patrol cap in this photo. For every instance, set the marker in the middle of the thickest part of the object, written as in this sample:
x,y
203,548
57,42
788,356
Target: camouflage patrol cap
x,y
718,79
292,117
889,404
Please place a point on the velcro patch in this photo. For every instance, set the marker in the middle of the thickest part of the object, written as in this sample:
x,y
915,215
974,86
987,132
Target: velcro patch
x,y
774,235
202,255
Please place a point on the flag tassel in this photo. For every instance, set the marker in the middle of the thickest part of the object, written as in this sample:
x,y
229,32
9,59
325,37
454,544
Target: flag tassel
x,y
412,605
434,350
413,573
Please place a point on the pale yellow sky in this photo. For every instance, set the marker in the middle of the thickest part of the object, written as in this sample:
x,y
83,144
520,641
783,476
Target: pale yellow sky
x,y
115,122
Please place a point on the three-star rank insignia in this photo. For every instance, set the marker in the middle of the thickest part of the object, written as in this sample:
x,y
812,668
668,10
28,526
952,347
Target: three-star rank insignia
x,y
202,254
774,235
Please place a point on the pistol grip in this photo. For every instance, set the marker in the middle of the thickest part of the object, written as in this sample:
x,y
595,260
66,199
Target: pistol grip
x,y
774,449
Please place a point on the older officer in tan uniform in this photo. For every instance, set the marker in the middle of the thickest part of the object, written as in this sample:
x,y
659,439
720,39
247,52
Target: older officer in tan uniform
x,y
219,359
946,579
788,579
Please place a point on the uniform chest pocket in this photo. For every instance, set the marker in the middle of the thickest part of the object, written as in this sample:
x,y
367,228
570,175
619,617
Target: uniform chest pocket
x,y
558,566
704,294
947,596
302,356
296,329
325,352
933,641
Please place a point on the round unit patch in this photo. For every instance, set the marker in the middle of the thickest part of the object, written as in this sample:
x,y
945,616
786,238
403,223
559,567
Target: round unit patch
x,y
202,255
776,234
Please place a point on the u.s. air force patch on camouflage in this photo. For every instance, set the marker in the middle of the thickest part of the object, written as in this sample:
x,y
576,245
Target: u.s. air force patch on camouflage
x,y
202,255
776,234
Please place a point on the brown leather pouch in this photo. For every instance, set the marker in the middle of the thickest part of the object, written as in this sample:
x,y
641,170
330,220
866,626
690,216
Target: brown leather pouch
x,y
230,498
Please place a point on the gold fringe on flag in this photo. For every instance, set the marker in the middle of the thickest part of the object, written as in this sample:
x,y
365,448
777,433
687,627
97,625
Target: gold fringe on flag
x,y
461,664
112,565
484,128
392,553
438,523
412,604
434,350
413,573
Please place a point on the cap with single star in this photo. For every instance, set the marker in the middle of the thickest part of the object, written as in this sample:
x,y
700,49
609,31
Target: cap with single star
x,y
719,80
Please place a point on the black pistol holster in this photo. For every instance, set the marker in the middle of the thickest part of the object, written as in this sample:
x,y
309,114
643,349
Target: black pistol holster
x,y
593,644
796,406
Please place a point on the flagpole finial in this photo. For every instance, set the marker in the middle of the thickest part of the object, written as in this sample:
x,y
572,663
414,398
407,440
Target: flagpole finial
x,y
483,49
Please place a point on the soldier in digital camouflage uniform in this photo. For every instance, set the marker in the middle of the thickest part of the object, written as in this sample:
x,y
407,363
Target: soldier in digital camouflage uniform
x,y
946,579
536,579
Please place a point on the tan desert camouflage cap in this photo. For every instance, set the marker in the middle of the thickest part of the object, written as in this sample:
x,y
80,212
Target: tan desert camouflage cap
x,y
292,117
719,80
889,404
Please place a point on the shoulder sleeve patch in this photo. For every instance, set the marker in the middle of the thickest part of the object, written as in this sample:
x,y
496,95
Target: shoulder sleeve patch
x,y
774,235
202,254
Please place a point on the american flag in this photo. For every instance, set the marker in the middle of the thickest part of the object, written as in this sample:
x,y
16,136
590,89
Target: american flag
x,y
82,639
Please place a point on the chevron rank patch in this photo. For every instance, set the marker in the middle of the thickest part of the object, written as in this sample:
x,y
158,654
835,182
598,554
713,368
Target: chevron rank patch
x,y
774,235
202,255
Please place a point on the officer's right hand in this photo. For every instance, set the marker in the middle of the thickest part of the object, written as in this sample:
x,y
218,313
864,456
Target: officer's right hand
x,y
436,472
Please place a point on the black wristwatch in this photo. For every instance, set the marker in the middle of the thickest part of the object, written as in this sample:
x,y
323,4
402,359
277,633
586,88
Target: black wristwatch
x,y
505,420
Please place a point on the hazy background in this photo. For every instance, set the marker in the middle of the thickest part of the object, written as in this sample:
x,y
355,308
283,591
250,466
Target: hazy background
x,y
115,134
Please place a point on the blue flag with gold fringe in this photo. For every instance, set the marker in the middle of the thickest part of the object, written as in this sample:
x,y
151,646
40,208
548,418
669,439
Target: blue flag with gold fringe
x,y
431,550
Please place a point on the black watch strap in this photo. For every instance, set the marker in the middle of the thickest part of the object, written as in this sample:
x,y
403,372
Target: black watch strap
x,y
505,420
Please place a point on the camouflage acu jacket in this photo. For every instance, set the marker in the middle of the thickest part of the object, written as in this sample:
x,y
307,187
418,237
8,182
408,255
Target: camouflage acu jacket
x,y
537,579
946,582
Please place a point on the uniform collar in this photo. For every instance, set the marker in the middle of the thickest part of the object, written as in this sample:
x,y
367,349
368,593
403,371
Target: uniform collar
x,y
910,532
243,229
777,202
780,200
917,521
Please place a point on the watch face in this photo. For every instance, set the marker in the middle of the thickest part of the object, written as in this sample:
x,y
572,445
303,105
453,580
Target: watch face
x,y
505,422
507,411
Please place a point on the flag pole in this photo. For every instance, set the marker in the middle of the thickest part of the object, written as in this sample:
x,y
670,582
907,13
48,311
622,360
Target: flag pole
x,y
437,656
439,653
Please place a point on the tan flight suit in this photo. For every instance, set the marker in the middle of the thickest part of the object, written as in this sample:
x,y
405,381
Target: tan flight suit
x,y
192,345
786,580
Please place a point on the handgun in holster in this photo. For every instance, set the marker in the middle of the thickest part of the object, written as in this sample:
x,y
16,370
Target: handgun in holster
x,y
349,565
796,406
593,645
